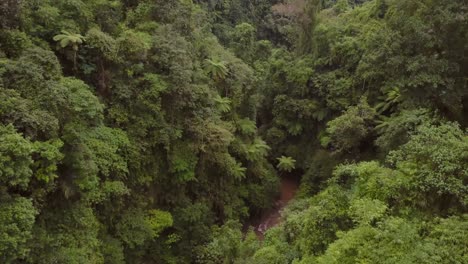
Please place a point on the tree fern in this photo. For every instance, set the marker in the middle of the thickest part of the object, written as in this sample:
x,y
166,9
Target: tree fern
x,y
246,126
382,123
295,128
238,171
70,39
391,98
223,104
216,69
286,163
258,149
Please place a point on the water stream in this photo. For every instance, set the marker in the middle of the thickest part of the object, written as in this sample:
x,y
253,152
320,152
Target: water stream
x,y
272,217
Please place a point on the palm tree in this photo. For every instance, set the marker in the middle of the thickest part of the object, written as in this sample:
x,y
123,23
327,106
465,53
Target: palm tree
x,y
70,39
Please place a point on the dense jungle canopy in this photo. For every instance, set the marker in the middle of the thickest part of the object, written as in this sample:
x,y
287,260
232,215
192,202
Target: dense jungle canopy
x,y
155,131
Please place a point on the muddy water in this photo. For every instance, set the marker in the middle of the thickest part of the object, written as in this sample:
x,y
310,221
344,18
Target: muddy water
x,y
289,186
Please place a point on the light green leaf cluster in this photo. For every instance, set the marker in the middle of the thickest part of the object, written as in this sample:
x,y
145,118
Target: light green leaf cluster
x,y
286,163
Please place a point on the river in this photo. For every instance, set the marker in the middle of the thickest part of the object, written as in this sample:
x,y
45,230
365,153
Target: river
x,y
272,217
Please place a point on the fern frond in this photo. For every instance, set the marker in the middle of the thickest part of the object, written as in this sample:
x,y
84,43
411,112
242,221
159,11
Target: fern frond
x,y
286,163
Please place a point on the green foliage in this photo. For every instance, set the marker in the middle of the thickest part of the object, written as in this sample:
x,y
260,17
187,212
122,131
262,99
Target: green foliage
x,y
269,255
395,131
112,250
14,42
225,245
66,39
246,126
107,191
159,220
238,171
286,163
228,246
256,150
448,237
378,182
105,44
365,211
134,45
135,227
223,104
33,70
17,216
154,137
216,69
374,244
19,112
183,161
66,235
108,147
350,129
391,98
15,158
243,41
396,241
79,101
45,167
314,227
435,159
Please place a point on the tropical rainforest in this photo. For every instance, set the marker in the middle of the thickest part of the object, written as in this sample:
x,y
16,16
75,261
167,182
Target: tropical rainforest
x,y
155,131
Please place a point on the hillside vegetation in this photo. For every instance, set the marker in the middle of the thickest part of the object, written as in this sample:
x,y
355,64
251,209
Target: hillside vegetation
x,y
152,131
